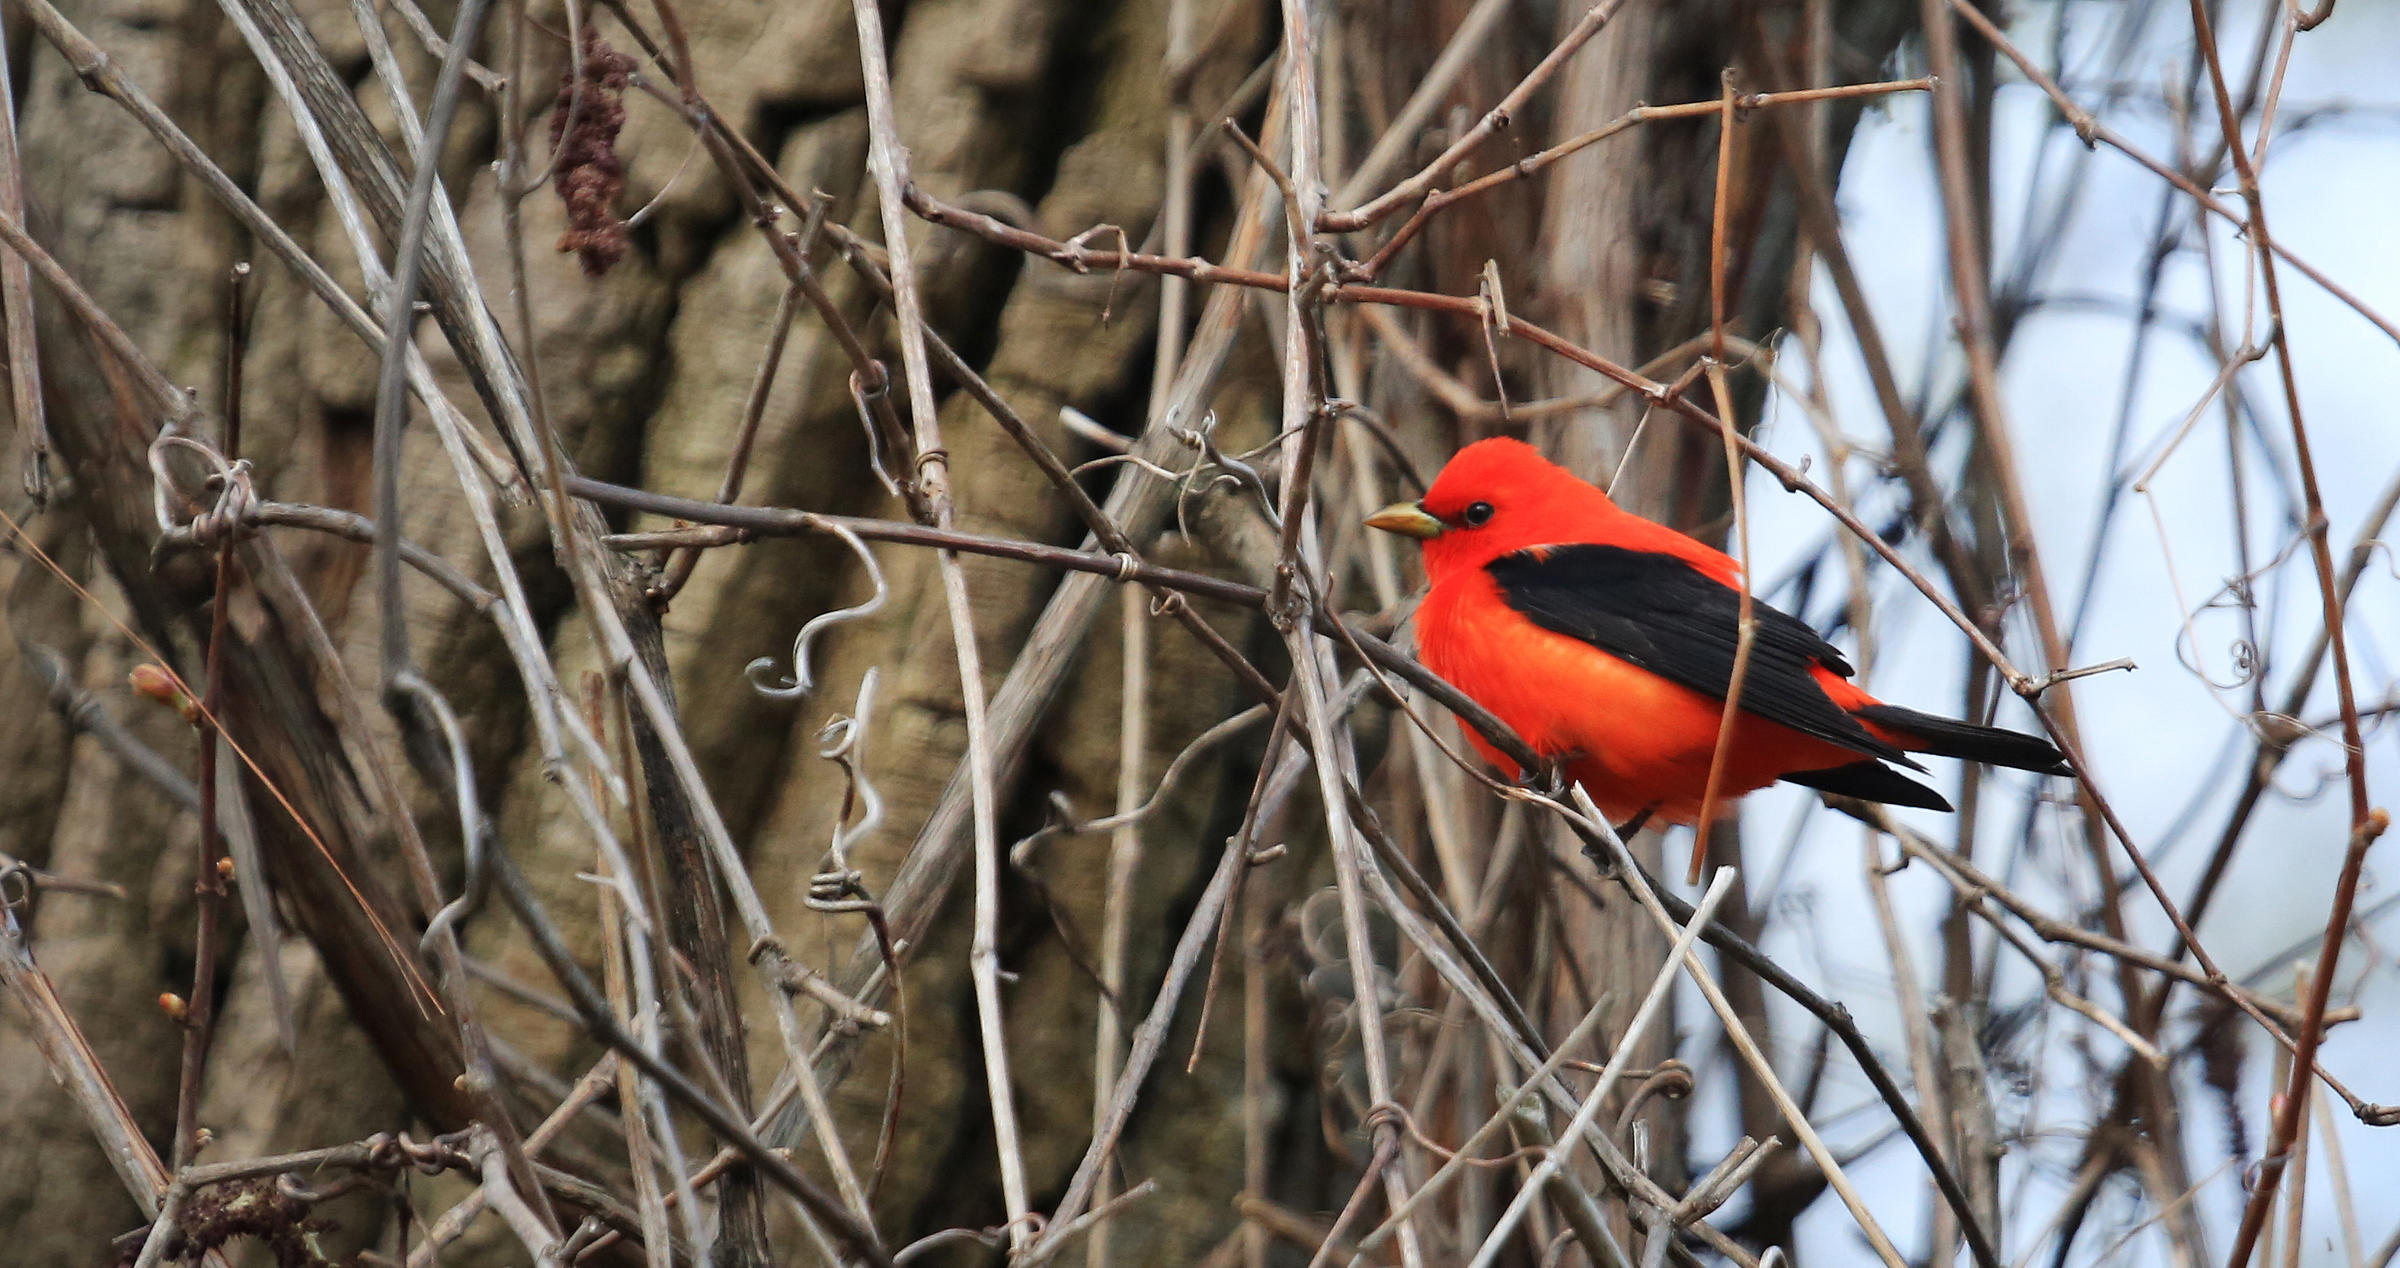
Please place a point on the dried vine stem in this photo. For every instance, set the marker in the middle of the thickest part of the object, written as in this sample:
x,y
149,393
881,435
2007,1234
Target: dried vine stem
x,y
76,1067
16,304
1297,585
2088,127
1439,200
887,163
1493,120
2367,822
1588,1112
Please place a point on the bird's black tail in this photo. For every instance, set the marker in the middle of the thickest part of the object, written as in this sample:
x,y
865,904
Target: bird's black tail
x,y
1949,738
1871,781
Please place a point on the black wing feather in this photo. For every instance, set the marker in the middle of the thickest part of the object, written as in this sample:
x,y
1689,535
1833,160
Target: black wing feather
x,y
1871,781
1660,613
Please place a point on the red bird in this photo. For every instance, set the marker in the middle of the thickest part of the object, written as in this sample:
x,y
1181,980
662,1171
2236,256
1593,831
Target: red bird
x,y
1607,641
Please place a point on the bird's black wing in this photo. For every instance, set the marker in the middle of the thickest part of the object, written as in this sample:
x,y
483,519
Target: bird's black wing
x,y
1659,613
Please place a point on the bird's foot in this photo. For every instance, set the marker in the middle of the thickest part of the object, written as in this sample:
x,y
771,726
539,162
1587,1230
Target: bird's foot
x,y
1550,778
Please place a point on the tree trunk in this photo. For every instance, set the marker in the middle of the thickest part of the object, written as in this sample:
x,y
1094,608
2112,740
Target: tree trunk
x,y
1030,109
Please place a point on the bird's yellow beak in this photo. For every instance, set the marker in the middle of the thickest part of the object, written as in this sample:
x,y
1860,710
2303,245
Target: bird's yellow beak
x,y
1408,519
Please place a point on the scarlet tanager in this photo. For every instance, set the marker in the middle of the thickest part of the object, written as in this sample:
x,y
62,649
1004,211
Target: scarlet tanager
x,y
1608,642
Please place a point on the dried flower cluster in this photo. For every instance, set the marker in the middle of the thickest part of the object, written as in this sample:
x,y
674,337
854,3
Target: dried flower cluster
x,y
583,141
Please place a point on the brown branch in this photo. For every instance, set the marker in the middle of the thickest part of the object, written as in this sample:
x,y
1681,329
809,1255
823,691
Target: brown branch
x,y
1441,199
200,1014
2092,131
754,409
2366,821
1075,256
77,1068
23,355
1974,886
1745,620
1493,121
738,524
601,1024
171,404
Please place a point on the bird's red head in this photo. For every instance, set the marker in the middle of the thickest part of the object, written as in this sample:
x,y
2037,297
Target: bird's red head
x,y
1494,497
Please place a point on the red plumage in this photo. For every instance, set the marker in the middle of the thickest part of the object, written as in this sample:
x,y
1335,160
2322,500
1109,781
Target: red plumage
x,y
1606,641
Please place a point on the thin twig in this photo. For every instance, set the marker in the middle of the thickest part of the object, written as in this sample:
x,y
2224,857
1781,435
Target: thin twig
x,y
887,162
1627,1043
1762,1068
16,303
1493,121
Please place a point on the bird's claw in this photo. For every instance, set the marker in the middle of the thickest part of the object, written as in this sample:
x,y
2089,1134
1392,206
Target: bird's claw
x,y
1547,780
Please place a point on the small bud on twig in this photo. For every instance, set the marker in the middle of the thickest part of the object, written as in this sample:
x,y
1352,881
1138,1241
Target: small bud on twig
x,y
153,680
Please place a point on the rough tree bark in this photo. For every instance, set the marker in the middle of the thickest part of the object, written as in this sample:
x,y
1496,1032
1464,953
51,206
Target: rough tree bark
x,y
1055,109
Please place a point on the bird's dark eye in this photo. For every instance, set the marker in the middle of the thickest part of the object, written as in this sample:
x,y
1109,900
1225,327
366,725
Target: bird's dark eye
x,y
1476,515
